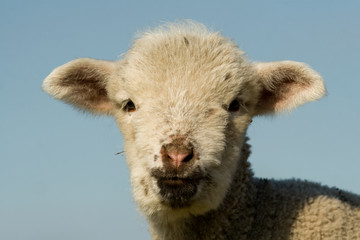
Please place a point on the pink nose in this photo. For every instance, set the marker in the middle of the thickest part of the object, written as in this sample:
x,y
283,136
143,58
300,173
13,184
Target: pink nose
x,y
178,159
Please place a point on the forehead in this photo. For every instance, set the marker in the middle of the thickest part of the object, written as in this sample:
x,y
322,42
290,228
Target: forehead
x,y
184,60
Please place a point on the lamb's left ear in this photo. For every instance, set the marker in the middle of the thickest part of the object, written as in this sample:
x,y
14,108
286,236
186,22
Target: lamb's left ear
x,y
286,85
82,83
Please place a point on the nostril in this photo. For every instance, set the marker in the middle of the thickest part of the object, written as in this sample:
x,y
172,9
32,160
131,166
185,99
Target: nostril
x,y
189,157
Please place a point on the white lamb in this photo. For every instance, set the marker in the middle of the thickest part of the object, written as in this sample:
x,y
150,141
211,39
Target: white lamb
x,y
183,98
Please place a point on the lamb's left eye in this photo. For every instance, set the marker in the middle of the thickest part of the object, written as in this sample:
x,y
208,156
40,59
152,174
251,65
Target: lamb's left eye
x,y
234,106
129,106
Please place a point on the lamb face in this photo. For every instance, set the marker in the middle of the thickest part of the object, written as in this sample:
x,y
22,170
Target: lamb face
x,y
183,98
184,118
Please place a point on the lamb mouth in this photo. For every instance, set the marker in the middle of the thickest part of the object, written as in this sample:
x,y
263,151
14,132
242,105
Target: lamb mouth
x,y
175,181
176,190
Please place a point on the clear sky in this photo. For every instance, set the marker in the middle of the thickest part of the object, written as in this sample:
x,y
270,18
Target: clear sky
x,y
59,176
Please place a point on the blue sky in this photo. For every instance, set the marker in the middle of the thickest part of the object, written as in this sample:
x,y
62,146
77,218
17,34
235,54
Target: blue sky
x,y
59,175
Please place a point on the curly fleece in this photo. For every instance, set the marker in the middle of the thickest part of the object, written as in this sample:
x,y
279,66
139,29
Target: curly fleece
x,y
265,209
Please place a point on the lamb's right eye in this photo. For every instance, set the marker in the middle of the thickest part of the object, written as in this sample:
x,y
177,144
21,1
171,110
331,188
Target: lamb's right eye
x,y
129,106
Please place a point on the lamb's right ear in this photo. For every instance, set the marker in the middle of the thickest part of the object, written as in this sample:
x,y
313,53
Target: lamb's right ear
x,y
82,83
